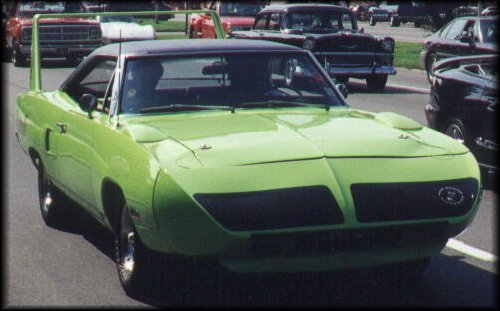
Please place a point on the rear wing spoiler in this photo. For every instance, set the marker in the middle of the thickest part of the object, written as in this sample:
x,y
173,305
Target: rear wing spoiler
x,y
35,73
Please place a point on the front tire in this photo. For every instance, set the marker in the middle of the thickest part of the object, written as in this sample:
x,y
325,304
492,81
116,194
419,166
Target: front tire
x,y
141,271
377,82
456,130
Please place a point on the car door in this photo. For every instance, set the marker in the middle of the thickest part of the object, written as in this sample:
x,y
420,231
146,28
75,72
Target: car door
x,y
74,148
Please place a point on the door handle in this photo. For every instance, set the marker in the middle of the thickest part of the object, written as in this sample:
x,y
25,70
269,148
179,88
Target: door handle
x,y
63,126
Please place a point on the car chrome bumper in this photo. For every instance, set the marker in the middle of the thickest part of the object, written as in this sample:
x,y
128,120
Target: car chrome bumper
x,y
361,71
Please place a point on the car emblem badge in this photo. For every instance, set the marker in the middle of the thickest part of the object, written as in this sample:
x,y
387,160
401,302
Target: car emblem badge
x,y
451,195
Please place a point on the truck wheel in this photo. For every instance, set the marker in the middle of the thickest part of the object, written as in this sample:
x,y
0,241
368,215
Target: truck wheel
x,y
373,22
394,21
18,59
377,82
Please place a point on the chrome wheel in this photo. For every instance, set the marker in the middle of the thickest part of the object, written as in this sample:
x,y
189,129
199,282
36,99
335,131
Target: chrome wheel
x,y
455,132
126,247
45,195
430,63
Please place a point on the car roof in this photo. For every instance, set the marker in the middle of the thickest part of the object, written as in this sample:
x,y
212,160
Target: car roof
x,y
299,7
179,46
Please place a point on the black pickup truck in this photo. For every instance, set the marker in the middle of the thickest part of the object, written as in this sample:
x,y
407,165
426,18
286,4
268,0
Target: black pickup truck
x,y
417,12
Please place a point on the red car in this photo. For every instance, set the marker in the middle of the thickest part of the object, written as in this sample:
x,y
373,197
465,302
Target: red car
x,y
59,37
234,16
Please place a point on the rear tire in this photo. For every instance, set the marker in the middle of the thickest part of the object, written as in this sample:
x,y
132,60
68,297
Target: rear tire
x,y
17,57
52,201
377,82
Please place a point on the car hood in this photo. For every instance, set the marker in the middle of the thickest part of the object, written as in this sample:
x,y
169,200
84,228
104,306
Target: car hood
x,y
245,139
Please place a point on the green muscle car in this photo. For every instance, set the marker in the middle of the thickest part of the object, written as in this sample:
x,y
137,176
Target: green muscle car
x,y
244,153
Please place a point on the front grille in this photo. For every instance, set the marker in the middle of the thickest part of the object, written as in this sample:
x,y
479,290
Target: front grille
x,y
272,209
413,201
350,44
64,33
342,240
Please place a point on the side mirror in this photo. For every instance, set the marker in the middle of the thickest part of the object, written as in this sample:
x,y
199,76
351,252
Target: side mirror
x,y
467,38
342,89
88,103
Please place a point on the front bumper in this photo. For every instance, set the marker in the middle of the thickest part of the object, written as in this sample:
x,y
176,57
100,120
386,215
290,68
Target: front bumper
x,y
187,228
61,50
356,64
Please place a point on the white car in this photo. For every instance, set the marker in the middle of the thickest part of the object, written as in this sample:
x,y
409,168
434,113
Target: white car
x,y
111,26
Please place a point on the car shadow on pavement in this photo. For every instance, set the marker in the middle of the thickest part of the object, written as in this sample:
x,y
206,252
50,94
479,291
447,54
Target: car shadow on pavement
x,y
460,284
448,281
79,222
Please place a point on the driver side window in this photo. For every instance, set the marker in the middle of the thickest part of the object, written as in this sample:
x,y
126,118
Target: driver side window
x,y
94,79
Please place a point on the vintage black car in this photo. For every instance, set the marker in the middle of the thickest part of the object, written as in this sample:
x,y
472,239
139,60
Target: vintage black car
x,y
461,37
331,33
463,104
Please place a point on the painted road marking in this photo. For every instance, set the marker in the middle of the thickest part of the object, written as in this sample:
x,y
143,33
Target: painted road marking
x,y
470,250
410,88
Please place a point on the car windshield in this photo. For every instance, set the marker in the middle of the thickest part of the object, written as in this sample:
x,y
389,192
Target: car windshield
x,y
225,81
30,8
320,22
489,30
109,19
240,9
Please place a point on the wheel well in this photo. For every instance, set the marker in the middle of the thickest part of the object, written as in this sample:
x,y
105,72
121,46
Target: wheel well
x,y
112,201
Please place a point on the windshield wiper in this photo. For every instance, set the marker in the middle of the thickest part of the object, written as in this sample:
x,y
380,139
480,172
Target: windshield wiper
x,y
181,107
279,103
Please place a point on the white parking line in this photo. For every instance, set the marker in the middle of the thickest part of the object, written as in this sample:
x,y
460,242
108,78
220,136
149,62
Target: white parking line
x,y
470,250
410,88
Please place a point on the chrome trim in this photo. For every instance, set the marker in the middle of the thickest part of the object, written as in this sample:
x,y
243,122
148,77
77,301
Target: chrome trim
x,y
352,53
389,70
